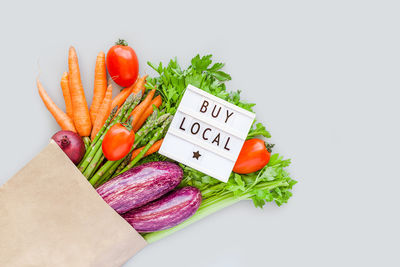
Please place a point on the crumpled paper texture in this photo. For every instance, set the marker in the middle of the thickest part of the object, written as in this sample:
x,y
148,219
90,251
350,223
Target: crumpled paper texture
x,y
50,215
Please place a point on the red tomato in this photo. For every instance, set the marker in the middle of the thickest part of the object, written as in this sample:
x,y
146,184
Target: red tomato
x,y
253,156
122,64
117,142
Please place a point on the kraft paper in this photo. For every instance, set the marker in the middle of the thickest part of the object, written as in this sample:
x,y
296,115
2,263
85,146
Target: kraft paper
x,y
50,215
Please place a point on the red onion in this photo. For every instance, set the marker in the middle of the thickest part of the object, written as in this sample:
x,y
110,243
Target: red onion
x,y
72,145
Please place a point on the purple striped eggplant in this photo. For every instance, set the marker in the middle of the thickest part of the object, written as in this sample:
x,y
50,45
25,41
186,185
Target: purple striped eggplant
x,y
165,212
140,185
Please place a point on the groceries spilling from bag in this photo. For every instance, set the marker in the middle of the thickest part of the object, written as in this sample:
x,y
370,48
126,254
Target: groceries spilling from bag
x,y
170,147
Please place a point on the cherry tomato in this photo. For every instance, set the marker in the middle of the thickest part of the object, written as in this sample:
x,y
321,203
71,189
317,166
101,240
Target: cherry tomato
x,y
122,64
253,156
117,142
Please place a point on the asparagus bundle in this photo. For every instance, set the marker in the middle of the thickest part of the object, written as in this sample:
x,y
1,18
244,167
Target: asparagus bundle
x,y
108,169
93,165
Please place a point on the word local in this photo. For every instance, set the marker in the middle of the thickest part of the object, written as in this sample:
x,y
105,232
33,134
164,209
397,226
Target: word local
x,y
206,132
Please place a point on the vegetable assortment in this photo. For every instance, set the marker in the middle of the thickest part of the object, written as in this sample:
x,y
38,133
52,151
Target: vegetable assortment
x,y
114,143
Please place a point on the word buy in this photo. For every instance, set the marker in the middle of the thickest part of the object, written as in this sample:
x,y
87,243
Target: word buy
x,y
207,133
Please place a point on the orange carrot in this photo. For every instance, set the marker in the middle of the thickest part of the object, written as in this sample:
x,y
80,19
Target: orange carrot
x,y
140,85
66,94
140,109
79,105
154,148
122,96
157,101
100,85
62,119
103,112
134,88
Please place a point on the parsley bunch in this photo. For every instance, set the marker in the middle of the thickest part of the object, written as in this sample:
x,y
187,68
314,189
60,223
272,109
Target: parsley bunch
x,y
270,184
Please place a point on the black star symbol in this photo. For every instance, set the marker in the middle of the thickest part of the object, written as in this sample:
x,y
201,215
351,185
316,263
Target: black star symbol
x,y
196,155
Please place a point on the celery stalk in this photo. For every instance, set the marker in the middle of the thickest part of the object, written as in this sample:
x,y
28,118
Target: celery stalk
x,y
209,206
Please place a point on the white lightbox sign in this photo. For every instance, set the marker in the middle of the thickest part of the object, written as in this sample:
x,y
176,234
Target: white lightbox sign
x,y
207,133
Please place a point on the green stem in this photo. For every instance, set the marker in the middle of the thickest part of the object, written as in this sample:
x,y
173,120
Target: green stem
x,y
86,141
85,163
102,171
124,163
106,175
108,121
87,152
129,110
212,190
137,158
94,163
206,208
97,165
121,42
128,102
109,172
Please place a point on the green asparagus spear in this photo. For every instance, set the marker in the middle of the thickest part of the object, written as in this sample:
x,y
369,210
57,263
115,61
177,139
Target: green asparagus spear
x,y
96,151
128,112
107,175
86,141
89,151
93,164
97,166
123,164
93,152
108,121
106,171
122,114
156,136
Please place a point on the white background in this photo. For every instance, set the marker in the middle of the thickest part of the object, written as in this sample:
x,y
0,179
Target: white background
x,y
325,75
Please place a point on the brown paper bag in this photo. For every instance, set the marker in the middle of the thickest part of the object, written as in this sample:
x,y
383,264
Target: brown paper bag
x,y
50,215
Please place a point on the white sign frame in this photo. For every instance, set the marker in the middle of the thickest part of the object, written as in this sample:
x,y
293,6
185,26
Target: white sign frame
x,y
178,141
